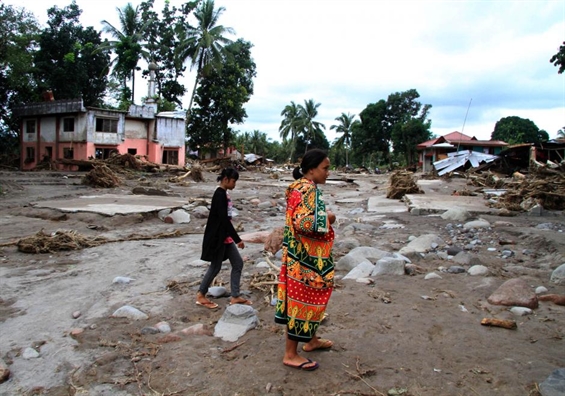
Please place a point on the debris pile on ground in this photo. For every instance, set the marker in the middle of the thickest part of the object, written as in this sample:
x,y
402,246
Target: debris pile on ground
x,y
487,179
195,172
58,241
101,176
549,192
402,183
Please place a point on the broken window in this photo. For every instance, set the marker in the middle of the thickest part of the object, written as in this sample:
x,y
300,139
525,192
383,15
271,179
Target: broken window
x,y
30,126
106,125
170,157
30,155
68,153
68,124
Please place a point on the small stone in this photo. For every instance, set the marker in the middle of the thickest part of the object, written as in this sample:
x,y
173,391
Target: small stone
x,y
76,332
76,314
30,353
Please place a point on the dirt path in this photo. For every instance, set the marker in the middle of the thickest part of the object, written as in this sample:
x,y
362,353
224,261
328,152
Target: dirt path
x,y
386,335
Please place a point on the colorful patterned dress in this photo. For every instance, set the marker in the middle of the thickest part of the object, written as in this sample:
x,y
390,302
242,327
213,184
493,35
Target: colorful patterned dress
x,y
307,271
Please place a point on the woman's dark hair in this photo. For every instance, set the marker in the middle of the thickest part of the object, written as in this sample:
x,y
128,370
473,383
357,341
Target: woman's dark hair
x,y
311,160
230,173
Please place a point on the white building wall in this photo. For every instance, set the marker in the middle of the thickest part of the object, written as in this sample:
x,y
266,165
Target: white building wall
x,y
136,129
170,131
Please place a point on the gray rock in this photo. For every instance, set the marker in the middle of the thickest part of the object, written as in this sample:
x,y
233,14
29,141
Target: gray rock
x,y
521,311
476,224
179,216
558,275
421,244
456,214
149,330
235,322
348,243
129,312
358,255
362,270
456,269
541,290
554,385
432,275
453,250
477,270
30,353
388,266
217,291
200,212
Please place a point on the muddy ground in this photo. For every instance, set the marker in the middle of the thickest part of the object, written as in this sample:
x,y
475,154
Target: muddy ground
x,y
388,338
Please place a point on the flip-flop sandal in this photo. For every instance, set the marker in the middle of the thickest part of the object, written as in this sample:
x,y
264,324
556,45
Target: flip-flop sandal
x,y
324,344
242,302
303,365
208,304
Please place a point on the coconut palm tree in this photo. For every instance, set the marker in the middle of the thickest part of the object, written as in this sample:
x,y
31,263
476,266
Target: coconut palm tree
x,y
128,44
345,126
289,126
306,123
204,45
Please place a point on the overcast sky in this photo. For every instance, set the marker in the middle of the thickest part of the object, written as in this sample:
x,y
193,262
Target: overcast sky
x,y
473,61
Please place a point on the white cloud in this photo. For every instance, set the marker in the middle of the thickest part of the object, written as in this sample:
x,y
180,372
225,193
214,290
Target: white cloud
x,y
347,54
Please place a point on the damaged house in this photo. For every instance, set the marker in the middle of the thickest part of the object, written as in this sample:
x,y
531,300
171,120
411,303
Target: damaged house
x,y
457,150
61,131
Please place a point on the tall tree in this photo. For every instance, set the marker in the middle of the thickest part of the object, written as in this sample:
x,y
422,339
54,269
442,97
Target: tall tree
x,y
408,135
204,45
558,59
220,99
345,128
371,138
128,45
514,130
161,42
69,61
19,32
290,126
311,130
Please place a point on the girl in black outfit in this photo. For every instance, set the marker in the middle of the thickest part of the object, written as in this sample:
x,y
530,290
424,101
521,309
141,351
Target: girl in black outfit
x,y
221,242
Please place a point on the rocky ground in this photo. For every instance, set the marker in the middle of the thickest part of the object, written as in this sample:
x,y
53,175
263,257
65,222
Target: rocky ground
x,y
400,335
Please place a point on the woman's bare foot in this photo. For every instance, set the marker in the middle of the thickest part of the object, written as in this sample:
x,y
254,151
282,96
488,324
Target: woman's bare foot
x,y
240,300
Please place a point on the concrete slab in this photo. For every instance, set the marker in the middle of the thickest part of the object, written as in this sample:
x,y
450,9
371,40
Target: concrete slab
x,y
111,204
381,204
439,203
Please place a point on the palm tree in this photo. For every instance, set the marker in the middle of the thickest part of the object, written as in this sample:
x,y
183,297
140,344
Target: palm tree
x,y
128,44
345,126
205,44
289,125
307,125
561,133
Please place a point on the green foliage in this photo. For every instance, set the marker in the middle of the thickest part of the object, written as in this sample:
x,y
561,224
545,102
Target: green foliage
x,y
128,45
516,130
67,62
399,122
289,127
558,59
203,45
345,128
162,38
312,134
220,99
18,34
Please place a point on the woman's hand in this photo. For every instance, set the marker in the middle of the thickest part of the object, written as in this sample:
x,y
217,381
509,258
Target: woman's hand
x,y
241,245
331,216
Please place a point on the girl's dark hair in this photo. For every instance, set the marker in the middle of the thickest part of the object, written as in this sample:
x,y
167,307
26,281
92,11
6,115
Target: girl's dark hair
x,y
311,160
230,173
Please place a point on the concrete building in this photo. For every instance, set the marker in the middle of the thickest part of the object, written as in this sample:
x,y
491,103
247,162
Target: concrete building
x,y
65,129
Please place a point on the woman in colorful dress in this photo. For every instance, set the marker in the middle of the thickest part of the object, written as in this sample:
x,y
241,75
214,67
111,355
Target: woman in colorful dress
x,y
307,271
221,242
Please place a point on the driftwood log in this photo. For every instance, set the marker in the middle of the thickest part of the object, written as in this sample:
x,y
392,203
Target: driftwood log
x,y
504,323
